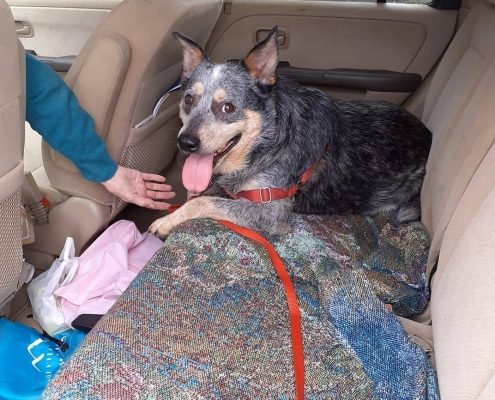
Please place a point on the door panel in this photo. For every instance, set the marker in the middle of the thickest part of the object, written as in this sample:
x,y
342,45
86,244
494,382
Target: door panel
x,y
329,35
58,27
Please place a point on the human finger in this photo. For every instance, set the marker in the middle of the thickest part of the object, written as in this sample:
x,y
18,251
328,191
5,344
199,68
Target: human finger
x,y
153,177
160,195
158,187
151,204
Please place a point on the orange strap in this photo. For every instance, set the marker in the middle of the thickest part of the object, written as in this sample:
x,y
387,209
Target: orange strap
x,y
267,194
290,294
173,207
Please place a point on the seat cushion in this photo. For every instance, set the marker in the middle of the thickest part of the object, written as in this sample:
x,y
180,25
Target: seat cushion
x,y
463,293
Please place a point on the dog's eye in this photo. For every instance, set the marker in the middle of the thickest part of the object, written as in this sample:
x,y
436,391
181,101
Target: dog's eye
x,y
188,99
228,108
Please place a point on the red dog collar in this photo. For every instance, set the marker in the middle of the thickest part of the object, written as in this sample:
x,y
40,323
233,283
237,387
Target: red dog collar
x,y
268,194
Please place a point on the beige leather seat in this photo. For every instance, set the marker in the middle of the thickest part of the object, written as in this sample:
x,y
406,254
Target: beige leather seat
x,y
11,166
458,208
122,71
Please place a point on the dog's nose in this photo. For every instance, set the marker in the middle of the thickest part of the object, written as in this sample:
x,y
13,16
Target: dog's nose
x,y
188,143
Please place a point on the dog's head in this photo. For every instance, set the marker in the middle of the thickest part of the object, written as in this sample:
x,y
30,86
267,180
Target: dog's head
x,y
222,108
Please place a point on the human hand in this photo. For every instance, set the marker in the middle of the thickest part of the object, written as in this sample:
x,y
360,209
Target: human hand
x,y
145,190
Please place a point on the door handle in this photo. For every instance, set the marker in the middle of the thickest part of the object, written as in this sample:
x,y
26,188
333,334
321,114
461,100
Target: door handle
x,y
23,29
261,34
58,64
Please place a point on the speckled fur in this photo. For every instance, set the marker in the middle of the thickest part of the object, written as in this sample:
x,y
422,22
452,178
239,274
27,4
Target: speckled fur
x,y
372,154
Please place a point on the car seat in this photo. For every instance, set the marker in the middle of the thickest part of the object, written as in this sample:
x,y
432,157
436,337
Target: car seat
x,y
11,165
126,66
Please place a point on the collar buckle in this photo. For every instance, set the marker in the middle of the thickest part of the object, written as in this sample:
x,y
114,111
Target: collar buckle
x,y
264,190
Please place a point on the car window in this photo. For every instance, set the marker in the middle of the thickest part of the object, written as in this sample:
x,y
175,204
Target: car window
x,y
387,1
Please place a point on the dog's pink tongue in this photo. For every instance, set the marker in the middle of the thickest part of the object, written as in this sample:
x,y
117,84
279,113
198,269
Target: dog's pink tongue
x,y
197,172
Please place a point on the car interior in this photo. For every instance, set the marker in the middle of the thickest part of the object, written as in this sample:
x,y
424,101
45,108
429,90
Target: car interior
x,y
437,60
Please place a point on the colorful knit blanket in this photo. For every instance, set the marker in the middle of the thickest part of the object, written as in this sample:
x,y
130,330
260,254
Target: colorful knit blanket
x,y
207,318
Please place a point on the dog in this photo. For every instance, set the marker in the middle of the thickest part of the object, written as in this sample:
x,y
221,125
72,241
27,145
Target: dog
x,y
261,146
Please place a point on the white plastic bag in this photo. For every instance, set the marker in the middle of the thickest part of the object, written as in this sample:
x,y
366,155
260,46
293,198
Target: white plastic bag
x,y
46,306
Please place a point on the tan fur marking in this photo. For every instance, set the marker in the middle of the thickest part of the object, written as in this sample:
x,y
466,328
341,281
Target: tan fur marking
x,y
237,157
200,207
215,136
198,88
219,95
192,56
262,62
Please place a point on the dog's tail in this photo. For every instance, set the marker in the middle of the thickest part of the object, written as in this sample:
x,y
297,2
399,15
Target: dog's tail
x,y
409,197
410,211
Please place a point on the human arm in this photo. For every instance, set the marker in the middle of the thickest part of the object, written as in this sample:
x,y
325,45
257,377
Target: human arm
x,y
53,111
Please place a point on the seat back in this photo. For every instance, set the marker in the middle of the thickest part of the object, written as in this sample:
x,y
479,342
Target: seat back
x,y
11,144
122,71
127,64
460,138
458,208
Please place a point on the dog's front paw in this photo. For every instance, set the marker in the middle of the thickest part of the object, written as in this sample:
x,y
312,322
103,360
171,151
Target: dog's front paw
x,y
162,227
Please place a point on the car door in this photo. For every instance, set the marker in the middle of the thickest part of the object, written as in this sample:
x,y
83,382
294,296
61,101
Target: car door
x,y
352,50
56,30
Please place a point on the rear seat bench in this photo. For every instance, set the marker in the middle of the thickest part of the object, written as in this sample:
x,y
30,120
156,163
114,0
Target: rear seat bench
x,y
458,209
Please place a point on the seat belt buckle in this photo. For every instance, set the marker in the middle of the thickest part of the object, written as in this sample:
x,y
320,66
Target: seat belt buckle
x,y
27,228
35,203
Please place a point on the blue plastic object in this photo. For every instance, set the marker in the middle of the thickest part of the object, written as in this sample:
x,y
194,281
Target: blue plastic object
x,y
28,360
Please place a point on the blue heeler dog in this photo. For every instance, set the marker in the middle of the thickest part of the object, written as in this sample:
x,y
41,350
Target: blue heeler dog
x,y
261,146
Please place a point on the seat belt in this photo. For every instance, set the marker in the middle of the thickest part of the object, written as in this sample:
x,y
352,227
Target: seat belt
x,y
156,109
27,227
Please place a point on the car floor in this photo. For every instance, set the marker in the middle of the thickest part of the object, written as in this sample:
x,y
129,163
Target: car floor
x,y
21,310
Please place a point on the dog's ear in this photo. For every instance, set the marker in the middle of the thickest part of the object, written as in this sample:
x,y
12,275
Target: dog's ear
x,y
192,54
261,62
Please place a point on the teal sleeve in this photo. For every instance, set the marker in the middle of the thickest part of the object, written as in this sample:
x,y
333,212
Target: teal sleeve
x,y
52,110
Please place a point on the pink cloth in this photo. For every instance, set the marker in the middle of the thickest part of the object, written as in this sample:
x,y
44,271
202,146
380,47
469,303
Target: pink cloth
x,y
105,270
